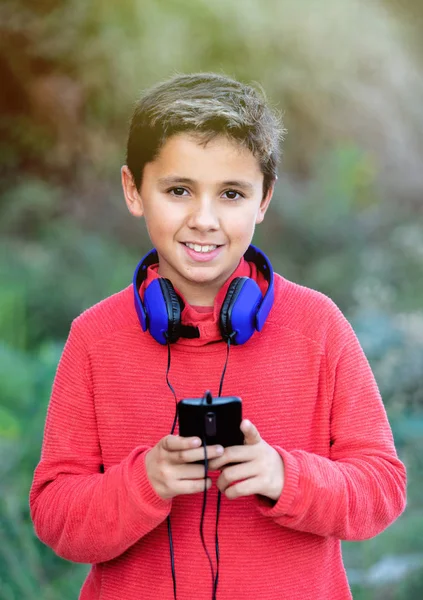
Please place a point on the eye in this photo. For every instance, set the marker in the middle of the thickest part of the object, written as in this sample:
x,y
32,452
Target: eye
x,y
177,191
233,195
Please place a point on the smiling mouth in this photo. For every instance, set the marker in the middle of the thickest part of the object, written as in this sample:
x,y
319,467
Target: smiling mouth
x,y
203,248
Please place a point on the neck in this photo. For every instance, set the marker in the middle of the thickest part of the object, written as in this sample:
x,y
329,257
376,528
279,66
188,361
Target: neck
x,y
195,294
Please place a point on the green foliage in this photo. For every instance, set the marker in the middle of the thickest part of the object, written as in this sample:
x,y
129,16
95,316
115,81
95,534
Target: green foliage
x,y
412,587
70,88
51,281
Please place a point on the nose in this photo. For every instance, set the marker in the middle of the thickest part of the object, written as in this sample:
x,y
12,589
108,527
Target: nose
x,y
203,215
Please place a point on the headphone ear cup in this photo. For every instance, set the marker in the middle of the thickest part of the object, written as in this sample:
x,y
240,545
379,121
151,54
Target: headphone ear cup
x,y
173,307
239,310
232,294
163,311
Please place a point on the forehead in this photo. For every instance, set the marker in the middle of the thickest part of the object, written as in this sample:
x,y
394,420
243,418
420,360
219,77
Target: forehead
x,y
220,158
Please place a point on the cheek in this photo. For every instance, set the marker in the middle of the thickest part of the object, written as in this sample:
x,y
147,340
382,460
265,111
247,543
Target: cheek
x,y
241,225
162,220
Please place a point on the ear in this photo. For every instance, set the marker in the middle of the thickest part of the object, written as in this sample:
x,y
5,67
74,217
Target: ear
x,y
264,204
132,196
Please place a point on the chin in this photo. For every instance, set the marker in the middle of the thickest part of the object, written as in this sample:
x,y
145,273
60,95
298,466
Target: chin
x,y
206,276
203,279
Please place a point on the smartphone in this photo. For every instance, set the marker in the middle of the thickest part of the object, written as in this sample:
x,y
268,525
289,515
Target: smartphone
x,y
213,420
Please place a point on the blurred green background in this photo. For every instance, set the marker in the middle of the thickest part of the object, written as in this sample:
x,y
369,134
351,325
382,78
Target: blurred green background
x,y
347,217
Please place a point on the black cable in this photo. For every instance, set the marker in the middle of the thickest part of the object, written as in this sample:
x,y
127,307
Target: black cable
x,y
219,495
171,387
215,578
226,362
169,526
203,511
172,555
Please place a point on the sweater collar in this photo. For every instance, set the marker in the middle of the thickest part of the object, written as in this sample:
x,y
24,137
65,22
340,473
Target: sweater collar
x,y
208,322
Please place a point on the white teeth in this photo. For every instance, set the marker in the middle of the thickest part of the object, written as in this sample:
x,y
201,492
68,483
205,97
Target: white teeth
x,y
199,248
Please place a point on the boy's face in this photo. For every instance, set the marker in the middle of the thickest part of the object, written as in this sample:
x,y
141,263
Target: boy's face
x,y
201,205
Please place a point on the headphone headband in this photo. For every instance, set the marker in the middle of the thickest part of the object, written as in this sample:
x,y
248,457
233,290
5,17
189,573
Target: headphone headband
x,y
256,256
140,274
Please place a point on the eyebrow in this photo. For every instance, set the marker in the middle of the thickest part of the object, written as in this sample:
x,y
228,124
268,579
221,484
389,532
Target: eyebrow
x,y
175,179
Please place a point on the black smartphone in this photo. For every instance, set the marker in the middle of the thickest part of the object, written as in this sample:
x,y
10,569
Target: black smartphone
x,y
213,420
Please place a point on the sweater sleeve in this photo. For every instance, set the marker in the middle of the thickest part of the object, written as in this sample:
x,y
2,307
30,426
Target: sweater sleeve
x,y
84,514
360,489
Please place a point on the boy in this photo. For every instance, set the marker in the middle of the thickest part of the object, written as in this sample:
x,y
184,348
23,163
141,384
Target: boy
x,y
318,464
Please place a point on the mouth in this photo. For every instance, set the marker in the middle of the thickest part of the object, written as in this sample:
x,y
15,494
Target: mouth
x,y
202,253
202,248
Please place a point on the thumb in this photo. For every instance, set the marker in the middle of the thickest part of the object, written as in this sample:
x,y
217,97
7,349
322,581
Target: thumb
x,y
250,432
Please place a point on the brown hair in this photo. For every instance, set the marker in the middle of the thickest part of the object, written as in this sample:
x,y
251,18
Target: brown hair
x,y
206,104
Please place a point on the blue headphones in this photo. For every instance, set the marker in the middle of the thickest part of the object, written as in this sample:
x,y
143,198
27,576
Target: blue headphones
x,y
243,311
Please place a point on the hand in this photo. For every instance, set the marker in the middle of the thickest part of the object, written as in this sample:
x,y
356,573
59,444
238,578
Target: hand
x,y
259,468
170,469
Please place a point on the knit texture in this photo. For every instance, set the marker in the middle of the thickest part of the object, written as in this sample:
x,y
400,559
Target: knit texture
x,y
307,386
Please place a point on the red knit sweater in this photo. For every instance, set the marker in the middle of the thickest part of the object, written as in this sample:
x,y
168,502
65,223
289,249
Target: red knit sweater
x,y
307,386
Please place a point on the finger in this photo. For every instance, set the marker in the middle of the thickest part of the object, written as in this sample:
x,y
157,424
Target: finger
x,y
233,454
248,487
251,434
230,475
191,486
188,471
175,443
195,454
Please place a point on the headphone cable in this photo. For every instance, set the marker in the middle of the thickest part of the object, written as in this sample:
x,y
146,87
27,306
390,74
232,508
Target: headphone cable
x,y
219,494
215,577
203,513
169,526
230,337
